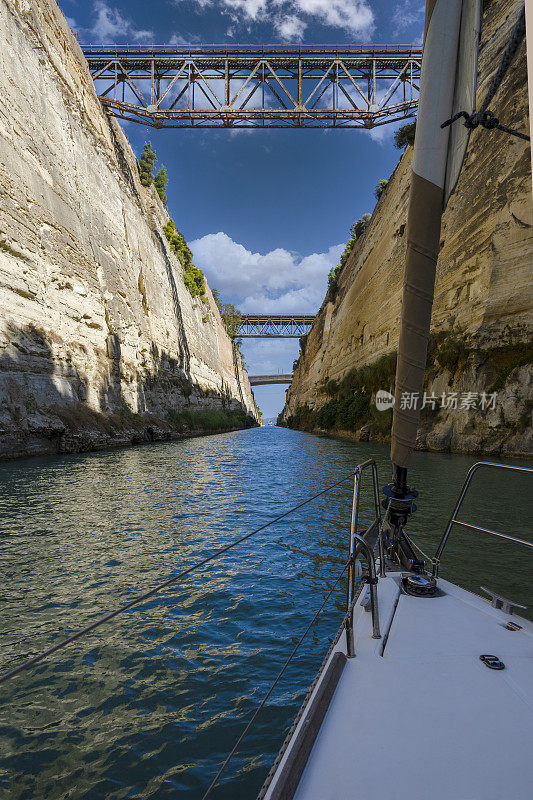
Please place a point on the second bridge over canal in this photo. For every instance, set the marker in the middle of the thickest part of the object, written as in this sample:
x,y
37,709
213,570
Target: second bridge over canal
x,y
275,326
265,380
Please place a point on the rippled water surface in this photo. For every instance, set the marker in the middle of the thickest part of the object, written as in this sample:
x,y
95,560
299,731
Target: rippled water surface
x,y
149,705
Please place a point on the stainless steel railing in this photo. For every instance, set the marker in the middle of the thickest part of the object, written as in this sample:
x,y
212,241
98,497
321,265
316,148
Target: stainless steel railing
x,y
455,521
358,544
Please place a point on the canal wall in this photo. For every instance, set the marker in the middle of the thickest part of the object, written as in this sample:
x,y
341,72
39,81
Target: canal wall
x,y
101,342
482,321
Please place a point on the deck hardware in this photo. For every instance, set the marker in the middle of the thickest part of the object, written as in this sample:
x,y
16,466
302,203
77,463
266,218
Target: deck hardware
x,y
498,601
419,585
365,602
492,662
512,626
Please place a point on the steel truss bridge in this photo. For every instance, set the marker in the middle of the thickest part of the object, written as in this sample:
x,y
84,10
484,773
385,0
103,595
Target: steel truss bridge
x,y
272,326
265,380
265,87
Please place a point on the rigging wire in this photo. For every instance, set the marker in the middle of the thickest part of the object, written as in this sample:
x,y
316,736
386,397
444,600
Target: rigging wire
x,y
272,687
430,559
136,600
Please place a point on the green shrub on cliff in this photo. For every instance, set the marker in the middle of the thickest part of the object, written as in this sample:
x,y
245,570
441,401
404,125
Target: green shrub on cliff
x,y
360,226
231,316
146,172
193,277
405,135
146,164
506,358
160,183
350,406
380,188
209,419
356,230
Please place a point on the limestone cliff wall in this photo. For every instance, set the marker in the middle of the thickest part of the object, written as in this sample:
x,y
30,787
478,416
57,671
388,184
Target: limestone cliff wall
x,y
484,287
96,324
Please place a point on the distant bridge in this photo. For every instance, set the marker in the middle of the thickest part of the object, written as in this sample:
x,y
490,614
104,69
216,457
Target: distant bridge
x,y
264,380
259,87
272,326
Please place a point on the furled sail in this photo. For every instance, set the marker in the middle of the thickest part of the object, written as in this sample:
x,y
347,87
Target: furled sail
x,y
464,96
449,65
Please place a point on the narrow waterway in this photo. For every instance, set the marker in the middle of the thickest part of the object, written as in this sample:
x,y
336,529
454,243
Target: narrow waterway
x,y
149,705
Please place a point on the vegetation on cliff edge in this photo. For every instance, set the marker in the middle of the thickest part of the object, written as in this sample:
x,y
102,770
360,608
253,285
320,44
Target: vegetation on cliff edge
x,y
405,135
193,277
146,172
209,419
350,405
357,229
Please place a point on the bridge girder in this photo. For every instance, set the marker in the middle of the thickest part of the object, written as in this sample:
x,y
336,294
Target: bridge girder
x,y
213,87
275,326
266,380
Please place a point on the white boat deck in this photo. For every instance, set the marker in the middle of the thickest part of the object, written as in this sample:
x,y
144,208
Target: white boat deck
x,y
425,719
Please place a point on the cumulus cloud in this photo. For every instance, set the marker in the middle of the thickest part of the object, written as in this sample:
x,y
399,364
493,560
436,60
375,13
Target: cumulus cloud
x,y
111,26
290,28
289,18
279,281
354,16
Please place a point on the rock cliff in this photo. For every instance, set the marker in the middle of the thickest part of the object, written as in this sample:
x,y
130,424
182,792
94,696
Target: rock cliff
x,y
100,341
483,310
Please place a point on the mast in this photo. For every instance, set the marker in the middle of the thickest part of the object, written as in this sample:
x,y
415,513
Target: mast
x,y
448,81
426,202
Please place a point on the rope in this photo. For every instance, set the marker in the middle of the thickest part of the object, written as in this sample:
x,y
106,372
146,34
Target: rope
x,y
414,544
430,559
484,117
36,659
272,687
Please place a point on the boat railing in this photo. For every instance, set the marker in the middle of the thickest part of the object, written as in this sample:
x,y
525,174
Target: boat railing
x,y
470,526
358,544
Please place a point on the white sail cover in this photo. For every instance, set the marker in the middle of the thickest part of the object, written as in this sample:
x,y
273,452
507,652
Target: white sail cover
x,y
465,92
447,86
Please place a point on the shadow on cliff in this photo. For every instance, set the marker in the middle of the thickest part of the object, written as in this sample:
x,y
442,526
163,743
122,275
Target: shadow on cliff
x,y
110,394
34,390
184,353
44,408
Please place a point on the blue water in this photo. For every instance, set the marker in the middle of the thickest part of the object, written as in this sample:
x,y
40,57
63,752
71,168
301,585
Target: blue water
x,y
149,705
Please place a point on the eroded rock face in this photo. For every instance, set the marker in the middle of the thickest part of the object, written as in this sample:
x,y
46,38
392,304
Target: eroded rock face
x,y
99,337
484,287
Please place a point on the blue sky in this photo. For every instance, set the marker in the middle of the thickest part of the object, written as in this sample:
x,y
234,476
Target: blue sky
x,y
267,213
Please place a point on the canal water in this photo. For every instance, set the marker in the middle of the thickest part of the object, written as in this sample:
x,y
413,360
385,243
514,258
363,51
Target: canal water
x,y
149,705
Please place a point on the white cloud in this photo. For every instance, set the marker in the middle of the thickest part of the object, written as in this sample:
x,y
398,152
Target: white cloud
x,y
290,28
177,39
408,13
289,18
278,281
72,24
110,25
354,16
251,9
270,356
382,134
